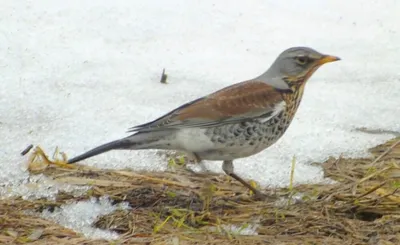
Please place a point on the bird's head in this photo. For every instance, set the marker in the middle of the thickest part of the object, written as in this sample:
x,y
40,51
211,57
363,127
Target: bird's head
x,y
296,65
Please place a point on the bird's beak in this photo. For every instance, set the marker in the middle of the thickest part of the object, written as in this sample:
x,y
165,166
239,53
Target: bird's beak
x,y
327,59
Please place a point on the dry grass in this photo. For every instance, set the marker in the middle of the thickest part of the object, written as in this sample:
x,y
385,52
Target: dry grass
x,y
179,207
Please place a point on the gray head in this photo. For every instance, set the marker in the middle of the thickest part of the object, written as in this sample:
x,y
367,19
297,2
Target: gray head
x,y
295,64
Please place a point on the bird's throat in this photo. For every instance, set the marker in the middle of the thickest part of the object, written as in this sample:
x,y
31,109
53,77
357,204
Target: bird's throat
x,y
293,99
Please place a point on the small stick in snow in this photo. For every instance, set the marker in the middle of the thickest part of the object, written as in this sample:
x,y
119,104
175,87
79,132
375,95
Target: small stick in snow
x,y
163,77
27,149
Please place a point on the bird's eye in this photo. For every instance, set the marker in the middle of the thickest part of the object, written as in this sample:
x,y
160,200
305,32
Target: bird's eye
x,y
301,60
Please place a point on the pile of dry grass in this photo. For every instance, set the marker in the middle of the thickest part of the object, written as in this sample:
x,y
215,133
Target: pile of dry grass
x,y
179,207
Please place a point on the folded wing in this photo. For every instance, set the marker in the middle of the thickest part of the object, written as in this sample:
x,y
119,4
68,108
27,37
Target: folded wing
x,y
240,102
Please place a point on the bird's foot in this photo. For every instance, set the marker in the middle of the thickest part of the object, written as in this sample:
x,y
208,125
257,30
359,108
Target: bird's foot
x,y
193,157
198,169
195,160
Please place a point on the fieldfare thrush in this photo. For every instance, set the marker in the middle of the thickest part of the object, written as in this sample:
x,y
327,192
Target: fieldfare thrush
x,y
235,122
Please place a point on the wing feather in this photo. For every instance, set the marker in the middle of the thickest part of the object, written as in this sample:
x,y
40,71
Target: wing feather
x,y
243,101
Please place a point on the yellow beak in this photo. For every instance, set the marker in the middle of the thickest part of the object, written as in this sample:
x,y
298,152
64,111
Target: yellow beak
x,y
327,59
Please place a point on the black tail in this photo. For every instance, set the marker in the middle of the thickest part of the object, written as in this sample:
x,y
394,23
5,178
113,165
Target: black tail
x,y
117,144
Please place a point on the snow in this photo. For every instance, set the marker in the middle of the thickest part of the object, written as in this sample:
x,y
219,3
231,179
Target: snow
x,y
76,216
244,230
76,74
39,186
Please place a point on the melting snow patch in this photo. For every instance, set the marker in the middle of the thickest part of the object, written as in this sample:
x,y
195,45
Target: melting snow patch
x,y
245,230
79,216
15,181
40,186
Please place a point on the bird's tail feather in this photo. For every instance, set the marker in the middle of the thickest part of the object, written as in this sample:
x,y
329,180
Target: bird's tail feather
x,y
136,141
117,144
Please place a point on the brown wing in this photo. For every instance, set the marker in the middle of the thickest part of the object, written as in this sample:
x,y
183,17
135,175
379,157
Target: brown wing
x,y
242,101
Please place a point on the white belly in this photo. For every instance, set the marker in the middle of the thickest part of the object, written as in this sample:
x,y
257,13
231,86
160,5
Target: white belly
x,y
194,140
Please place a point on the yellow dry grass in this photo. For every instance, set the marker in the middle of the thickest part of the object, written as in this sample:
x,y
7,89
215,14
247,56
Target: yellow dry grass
x,y
180,207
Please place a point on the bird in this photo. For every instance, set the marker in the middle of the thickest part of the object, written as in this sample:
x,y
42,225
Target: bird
x,y
234,122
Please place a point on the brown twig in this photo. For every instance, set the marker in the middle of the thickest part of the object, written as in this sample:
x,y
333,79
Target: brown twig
x,y
163,77
27,149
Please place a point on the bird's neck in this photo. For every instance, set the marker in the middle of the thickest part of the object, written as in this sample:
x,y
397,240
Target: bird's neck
x,y
293,98
273,79
292,88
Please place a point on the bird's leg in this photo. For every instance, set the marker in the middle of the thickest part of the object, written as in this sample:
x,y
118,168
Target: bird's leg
x,y
197,160
227,166
193,156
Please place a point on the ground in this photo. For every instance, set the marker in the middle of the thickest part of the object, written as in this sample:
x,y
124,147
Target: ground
x,y
79,73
